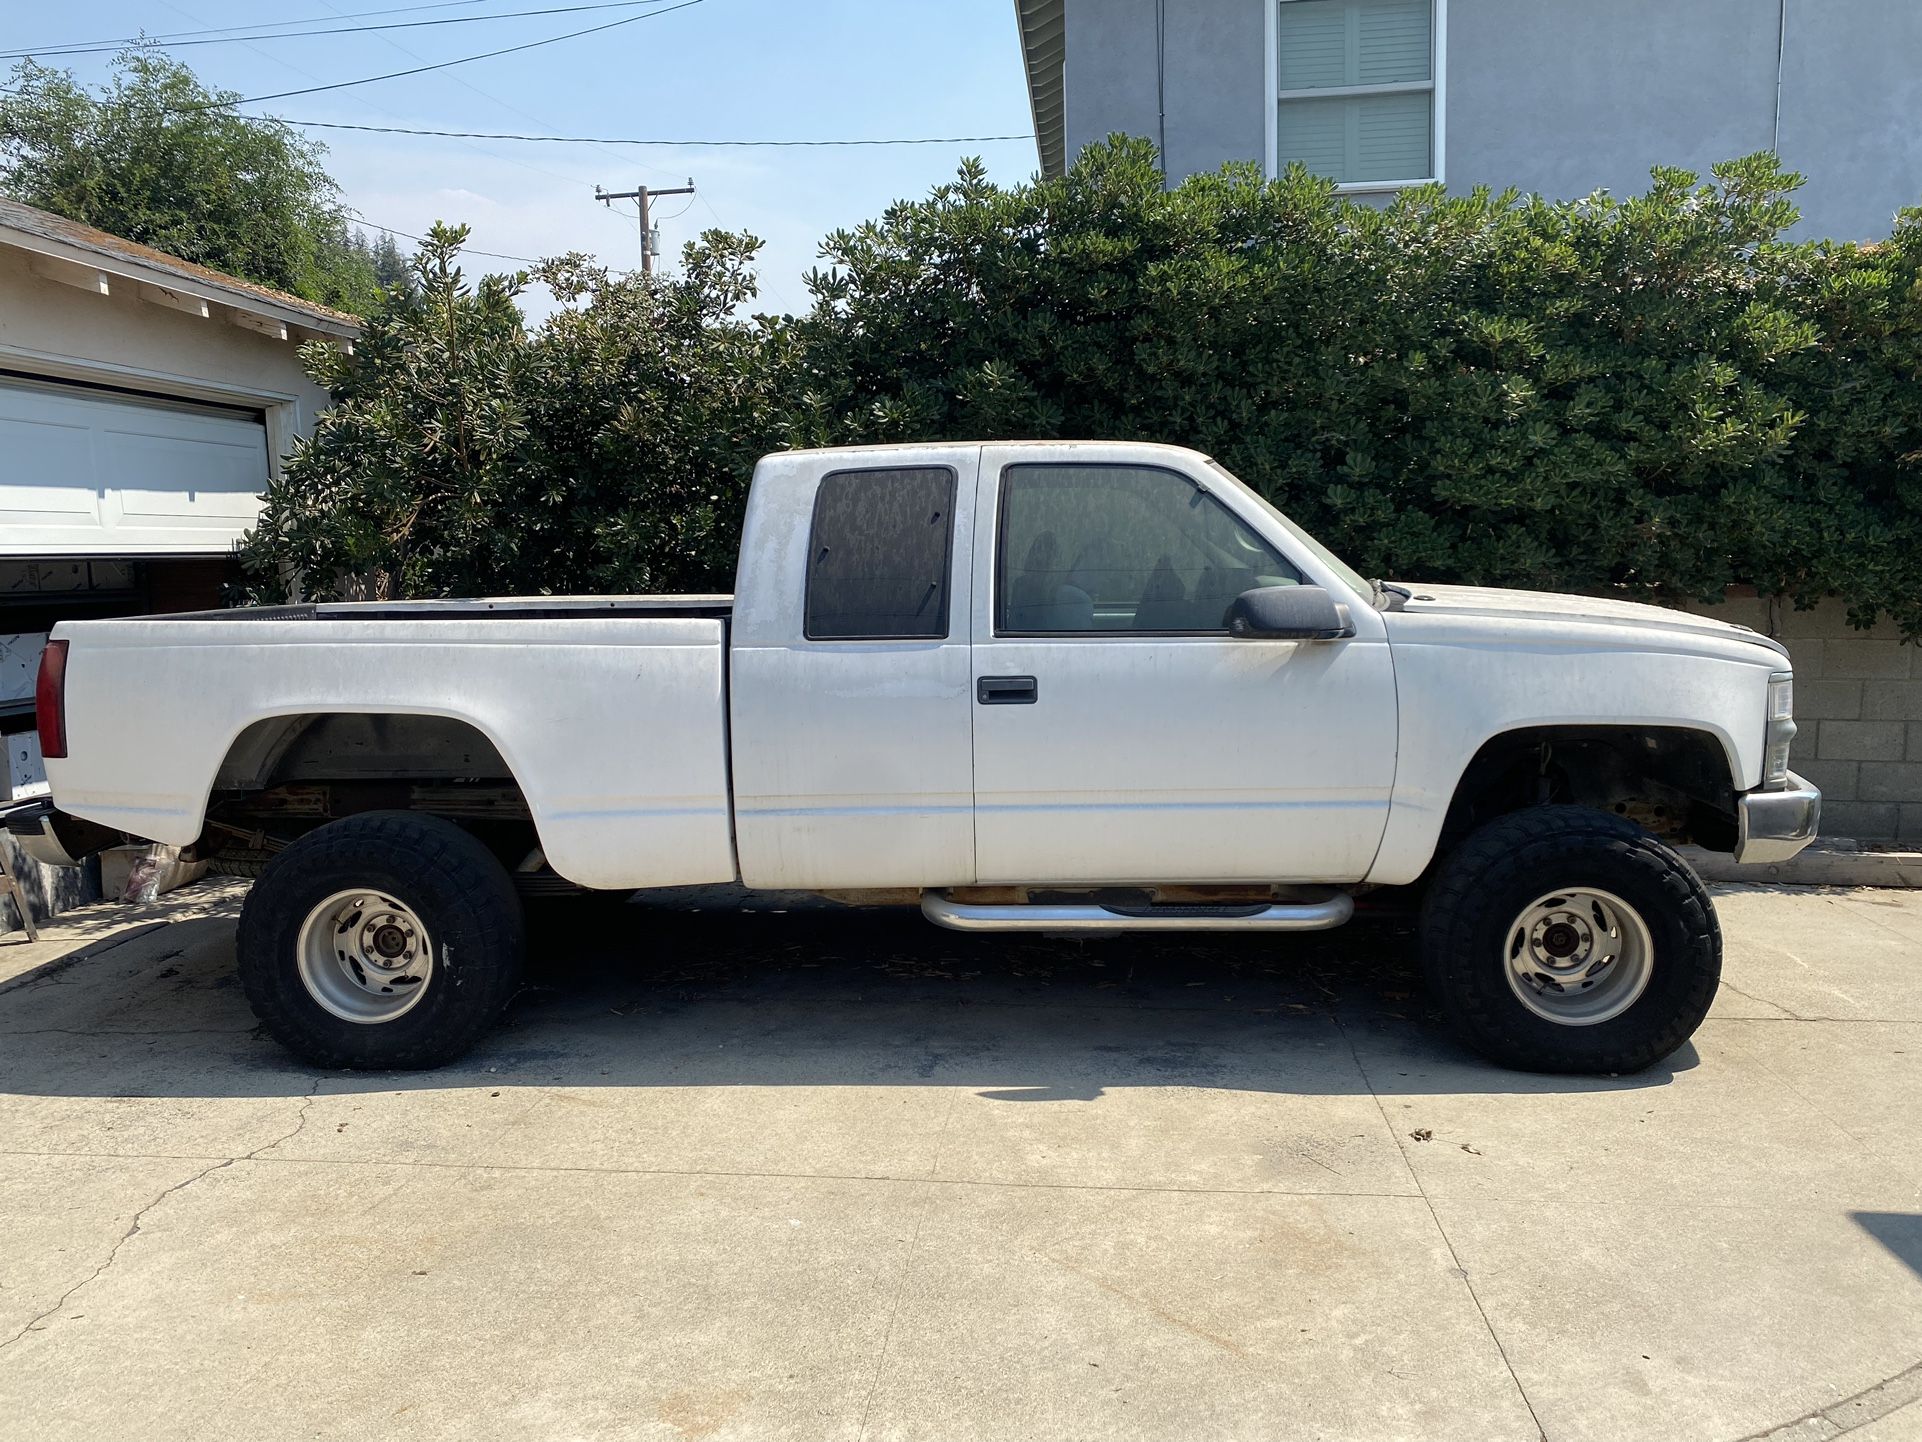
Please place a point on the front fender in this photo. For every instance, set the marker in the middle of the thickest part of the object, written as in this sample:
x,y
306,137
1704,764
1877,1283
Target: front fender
x,y
1456,694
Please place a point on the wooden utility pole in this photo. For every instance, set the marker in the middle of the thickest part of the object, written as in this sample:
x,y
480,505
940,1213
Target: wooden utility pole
x,y
650,240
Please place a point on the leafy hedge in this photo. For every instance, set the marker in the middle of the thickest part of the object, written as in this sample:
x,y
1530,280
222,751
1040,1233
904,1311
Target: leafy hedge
x,y
1655,394
609,450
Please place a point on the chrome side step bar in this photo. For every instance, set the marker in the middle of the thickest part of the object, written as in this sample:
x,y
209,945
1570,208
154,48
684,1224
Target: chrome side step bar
x,y
1318,915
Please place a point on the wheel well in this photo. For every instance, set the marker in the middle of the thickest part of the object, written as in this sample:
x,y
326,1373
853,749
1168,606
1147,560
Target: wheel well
x,y
285,775
1672,780
357,746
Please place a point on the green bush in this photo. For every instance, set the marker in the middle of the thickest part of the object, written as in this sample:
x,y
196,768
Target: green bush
x,y
606,451
1653,395
1849,521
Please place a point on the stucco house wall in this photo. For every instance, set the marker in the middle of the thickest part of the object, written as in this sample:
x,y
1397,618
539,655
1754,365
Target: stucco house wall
x,y
1560,97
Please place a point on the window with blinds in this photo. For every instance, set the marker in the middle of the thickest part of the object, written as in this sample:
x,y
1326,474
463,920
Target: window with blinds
x,y
1356,96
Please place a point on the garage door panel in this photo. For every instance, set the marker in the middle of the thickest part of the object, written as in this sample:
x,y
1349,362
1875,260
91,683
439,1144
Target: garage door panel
x,y
39,459
91,473
205,481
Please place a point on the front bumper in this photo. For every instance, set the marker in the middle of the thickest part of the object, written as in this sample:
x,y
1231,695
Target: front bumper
x,y
1775,825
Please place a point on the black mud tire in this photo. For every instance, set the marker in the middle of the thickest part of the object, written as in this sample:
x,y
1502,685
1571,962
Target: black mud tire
x,y
455,886
1480,890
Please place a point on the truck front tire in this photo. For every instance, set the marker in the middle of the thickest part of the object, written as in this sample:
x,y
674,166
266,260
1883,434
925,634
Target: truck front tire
x,y
1562,939
384,941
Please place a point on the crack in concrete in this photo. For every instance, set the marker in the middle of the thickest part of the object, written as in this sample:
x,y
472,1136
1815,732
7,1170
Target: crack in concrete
x,y
1856,908
300,1124
1824,1020
133,1227
47,971
1787,1083
907,1270
991,1183
1541,1432
1152,1308
1895,1393
133,1230
412,1163
1787,1015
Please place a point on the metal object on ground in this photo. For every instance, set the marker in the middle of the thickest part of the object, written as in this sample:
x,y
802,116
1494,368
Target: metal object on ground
x,y
10,887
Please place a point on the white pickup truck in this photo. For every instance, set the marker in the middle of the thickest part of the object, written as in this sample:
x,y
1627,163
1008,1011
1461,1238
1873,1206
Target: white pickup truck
x,y
1059,687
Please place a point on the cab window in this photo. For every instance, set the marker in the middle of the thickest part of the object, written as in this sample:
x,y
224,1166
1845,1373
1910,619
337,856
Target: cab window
x,y
879,557
1121,548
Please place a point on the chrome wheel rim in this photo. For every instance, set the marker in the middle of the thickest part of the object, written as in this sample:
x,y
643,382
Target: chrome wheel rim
x,y
365,956
1578,957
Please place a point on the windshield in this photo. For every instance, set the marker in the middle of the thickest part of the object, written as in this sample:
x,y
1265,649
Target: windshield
x,y
1350,577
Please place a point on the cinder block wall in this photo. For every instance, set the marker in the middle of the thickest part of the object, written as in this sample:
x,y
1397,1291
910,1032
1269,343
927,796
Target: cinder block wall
x,y
1858,710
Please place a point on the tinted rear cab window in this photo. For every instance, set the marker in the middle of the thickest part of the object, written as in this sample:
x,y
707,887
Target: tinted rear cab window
x,y
879,558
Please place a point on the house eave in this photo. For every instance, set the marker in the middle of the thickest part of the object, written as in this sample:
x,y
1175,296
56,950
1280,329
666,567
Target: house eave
x,y
1043,26
97,270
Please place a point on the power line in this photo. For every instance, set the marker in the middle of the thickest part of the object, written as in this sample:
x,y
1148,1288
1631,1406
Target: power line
x,y
361,220
634,140
465,84
443,65
102,48
506,105
464,250
286,64
312,20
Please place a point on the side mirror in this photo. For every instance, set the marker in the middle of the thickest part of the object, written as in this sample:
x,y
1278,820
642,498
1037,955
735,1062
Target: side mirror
x,y
1288,613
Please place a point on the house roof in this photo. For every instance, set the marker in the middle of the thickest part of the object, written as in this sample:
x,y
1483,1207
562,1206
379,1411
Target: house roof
x,y
1043,51
79,255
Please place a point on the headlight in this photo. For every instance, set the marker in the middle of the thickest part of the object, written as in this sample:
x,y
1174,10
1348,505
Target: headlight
x,y
1781,729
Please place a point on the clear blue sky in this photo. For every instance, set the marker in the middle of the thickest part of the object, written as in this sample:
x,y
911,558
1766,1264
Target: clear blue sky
x,y
754,69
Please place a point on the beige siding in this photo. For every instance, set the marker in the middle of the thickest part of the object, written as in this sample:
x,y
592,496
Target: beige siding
x,y
62,332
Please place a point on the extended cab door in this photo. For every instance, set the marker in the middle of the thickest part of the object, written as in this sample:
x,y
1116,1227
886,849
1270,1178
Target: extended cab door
x,y
849,685
1120,735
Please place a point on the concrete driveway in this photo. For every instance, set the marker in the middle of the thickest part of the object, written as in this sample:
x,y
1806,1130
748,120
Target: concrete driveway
x,y
842,1175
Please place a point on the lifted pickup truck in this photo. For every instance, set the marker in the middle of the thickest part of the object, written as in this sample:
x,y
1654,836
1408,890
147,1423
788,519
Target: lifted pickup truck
x,y
1060,687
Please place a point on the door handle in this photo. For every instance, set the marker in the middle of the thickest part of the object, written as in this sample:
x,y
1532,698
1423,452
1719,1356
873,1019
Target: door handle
x,y
1005,690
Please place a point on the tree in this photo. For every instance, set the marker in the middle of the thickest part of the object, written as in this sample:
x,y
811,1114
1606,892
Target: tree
x,y
606,451
391,268
156,157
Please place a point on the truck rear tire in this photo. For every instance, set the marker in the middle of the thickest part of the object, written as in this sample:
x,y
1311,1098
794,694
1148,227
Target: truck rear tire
x,y
385,941
1563,939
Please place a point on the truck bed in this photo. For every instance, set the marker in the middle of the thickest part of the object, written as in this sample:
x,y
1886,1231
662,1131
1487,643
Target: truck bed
x,y
610,713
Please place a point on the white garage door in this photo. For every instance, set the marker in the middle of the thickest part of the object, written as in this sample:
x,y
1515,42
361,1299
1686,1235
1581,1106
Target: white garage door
x,y
92,473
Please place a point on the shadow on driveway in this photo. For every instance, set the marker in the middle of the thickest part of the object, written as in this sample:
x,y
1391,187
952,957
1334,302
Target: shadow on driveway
x,y
1900,1232
805,994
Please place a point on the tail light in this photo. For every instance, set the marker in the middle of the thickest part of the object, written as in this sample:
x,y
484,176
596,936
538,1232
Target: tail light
x,y
50,700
